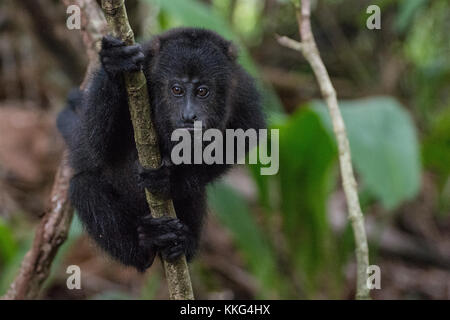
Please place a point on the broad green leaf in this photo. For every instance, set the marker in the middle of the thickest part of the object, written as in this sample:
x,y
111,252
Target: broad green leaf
x,y
384,147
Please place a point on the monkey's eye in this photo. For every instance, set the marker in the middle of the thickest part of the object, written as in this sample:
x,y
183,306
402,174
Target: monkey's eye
x,y
202,92
177,91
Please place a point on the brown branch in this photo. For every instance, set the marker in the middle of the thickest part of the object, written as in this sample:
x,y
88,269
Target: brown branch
x,y
54,226
50,234
177,273
309,50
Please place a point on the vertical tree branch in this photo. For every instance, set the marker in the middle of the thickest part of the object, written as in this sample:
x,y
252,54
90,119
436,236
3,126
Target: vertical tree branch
x,y
177,273
50,234
309,49
53,229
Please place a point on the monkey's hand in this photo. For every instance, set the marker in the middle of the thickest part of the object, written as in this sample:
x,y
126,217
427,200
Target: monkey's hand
x,y
156,180
117,57
167,235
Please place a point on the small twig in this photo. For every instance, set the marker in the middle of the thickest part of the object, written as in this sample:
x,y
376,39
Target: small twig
x,y
309,50
290,43
54,226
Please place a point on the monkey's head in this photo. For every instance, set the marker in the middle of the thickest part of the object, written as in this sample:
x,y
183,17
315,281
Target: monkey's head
x,y
190,72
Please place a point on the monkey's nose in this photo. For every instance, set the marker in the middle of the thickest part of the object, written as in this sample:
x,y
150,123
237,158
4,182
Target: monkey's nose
x,y
188,117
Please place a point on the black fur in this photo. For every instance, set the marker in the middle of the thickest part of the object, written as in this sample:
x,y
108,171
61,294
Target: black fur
x,y
107,188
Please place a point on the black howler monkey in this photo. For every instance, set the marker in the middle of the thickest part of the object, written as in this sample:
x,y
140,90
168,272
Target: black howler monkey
x,y
192,74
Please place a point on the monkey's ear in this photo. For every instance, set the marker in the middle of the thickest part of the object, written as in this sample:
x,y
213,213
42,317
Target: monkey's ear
x,y
156,45
152,47
232,51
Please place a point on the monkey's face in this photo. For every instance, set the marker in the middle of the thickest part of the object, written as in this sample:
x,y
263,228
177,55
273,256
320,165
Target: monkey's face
x,y
192,85
193,99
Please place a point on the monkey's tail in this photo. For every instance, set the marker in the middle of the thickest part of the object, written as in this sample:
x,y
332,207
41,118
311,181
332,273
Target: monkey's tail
x,y
68,119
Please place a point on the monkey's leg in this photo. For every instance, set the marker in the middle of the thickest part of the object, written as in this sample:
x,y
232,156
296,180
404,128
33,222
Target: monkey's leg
x,y
191,210
156,180
110,220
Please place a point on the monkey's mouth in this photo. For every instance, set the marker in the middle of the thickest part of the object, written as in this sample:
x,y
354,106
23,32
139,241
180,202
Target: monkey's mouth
x,y
191,127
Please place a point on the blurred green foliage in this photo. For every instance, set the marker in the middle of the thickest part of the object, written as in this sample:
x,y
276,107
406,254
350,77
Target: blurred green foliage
x,y
8,245
12,250
384,147
436,147
255,246
385,153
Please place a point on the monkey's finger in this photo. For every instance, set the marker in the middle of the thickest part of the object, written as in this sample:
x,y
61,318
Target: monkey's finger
x,y
148,219
176,224
122,52
175,250
171,257
165,239
172,249
154,173
120,65
139,58
109,41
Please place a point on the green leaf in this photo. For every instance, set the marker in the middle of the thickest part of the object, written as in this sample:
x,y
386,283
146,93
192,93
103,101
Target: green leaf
x,y
307,159
307,155
234,213
8,245
436,146
407,10
9,271
384,147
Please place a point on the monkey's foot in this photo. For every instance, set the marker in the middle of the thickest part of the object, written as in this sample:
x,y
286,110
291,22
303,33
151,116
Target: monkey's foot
x,y
117,57
168,235
155,180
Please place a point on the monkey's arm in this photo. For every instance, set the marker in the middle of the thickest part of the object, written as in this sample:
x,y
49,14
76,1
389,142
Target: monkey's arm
x,y
105,116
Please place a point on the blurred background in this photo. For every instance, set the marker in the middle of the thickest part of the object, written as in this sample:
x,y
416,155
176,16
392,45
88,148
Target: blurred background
x,y
269,237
